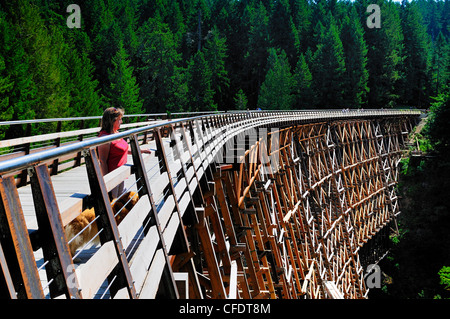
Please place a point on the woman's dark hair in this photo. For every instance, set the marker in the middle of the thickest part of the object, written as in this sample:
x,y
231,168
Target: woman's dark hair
x,y
109,116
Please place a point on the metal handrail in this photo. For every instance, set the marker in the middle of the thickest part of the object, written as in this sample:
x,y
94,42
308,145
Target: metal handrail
x,y
23,162
99,117
31,159
65,119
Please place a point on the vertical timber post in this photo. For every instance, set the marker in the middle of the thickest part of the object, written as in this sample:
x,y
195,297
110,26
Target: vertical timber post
x,y
144,184
16,256
107,221
51,234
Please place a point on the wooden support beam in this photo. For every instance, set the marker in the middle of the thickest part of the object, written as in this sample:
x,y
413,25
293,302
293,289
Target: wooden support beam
x,y
51,234
145,189
107,222
215,276
17,261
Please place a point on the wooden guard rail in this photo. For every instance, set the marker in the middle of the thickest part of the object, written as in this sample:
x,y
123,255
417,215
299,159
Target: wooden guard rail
x,y
233,205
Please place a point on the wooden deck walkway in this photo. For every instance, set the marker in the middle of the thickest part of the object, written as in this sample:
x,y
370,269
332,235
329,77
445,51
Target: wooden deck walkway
x,y
72,188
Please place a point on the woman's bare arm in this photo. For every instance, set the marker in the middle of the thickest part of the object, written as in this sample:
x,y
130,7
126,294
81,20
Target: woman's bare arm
x,y
142,151
103,153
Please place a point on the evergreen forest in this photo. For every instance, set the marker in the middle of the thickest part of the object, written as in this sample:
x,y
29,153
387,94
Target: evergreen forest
x,y
158,56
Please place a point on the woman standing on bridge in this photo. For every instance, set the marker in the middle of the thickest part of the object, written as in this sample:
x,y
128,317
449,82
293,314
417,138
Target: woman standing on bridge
x,y
113,155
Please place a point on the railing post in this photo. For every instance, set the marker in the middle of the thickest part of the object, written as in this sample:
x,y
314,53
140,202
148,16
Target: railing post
x,y
165,164
57,144
80,138
51,235
144,184
27,146
102,207
16,258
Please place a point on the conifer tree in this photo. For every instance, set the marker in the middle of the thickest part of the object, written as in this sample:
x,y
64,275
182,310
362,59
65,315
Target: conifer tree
x,y
302,17
200,93
440,76
240,100
85,99
385,58
20,98
105,41
328,66
302,84
445,18
158,60
50,70
415,78
282,30
123,91
355,52
276,90
45,67
231,21
256,51
6,112
319,10
437,126
215,52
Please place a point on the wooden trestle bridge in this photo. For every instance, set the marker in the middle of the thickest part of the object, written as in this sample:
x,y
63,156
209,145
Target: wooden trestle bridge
x,y
231,205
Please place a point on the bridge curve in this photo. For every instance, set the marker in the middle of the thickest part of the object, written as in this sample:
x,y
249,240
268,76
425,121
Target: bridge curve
x,y
232,205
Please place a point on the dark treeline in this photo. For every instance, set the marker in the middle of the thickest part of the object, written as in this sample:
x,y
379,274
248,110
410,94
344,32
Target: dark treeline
x,y
197,55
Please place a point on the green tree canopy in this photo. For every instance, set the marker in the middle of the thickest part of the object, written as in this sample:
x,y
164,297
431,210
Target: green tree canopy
x,y
334,58
328,66
276,90
355,52
123,91
200,93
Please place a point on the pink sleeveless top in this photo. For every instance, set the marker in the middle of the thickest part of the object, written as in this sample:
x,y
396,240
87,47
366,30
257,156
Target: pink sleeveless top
x,y
118,151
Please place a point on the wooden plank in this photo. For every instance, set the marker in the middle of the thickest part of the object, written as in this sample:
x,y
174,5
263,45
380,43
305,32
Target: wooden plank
x,y
166,211
151,284
185,157
117,176
6,276
93,273
70,209
145,189
193,185
333,290
53,136
142,258
200,172
210,257
158,186
190,173
184,203
182,280
170,231
133,220
122,294
174,166
232,288
45,137
180,188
